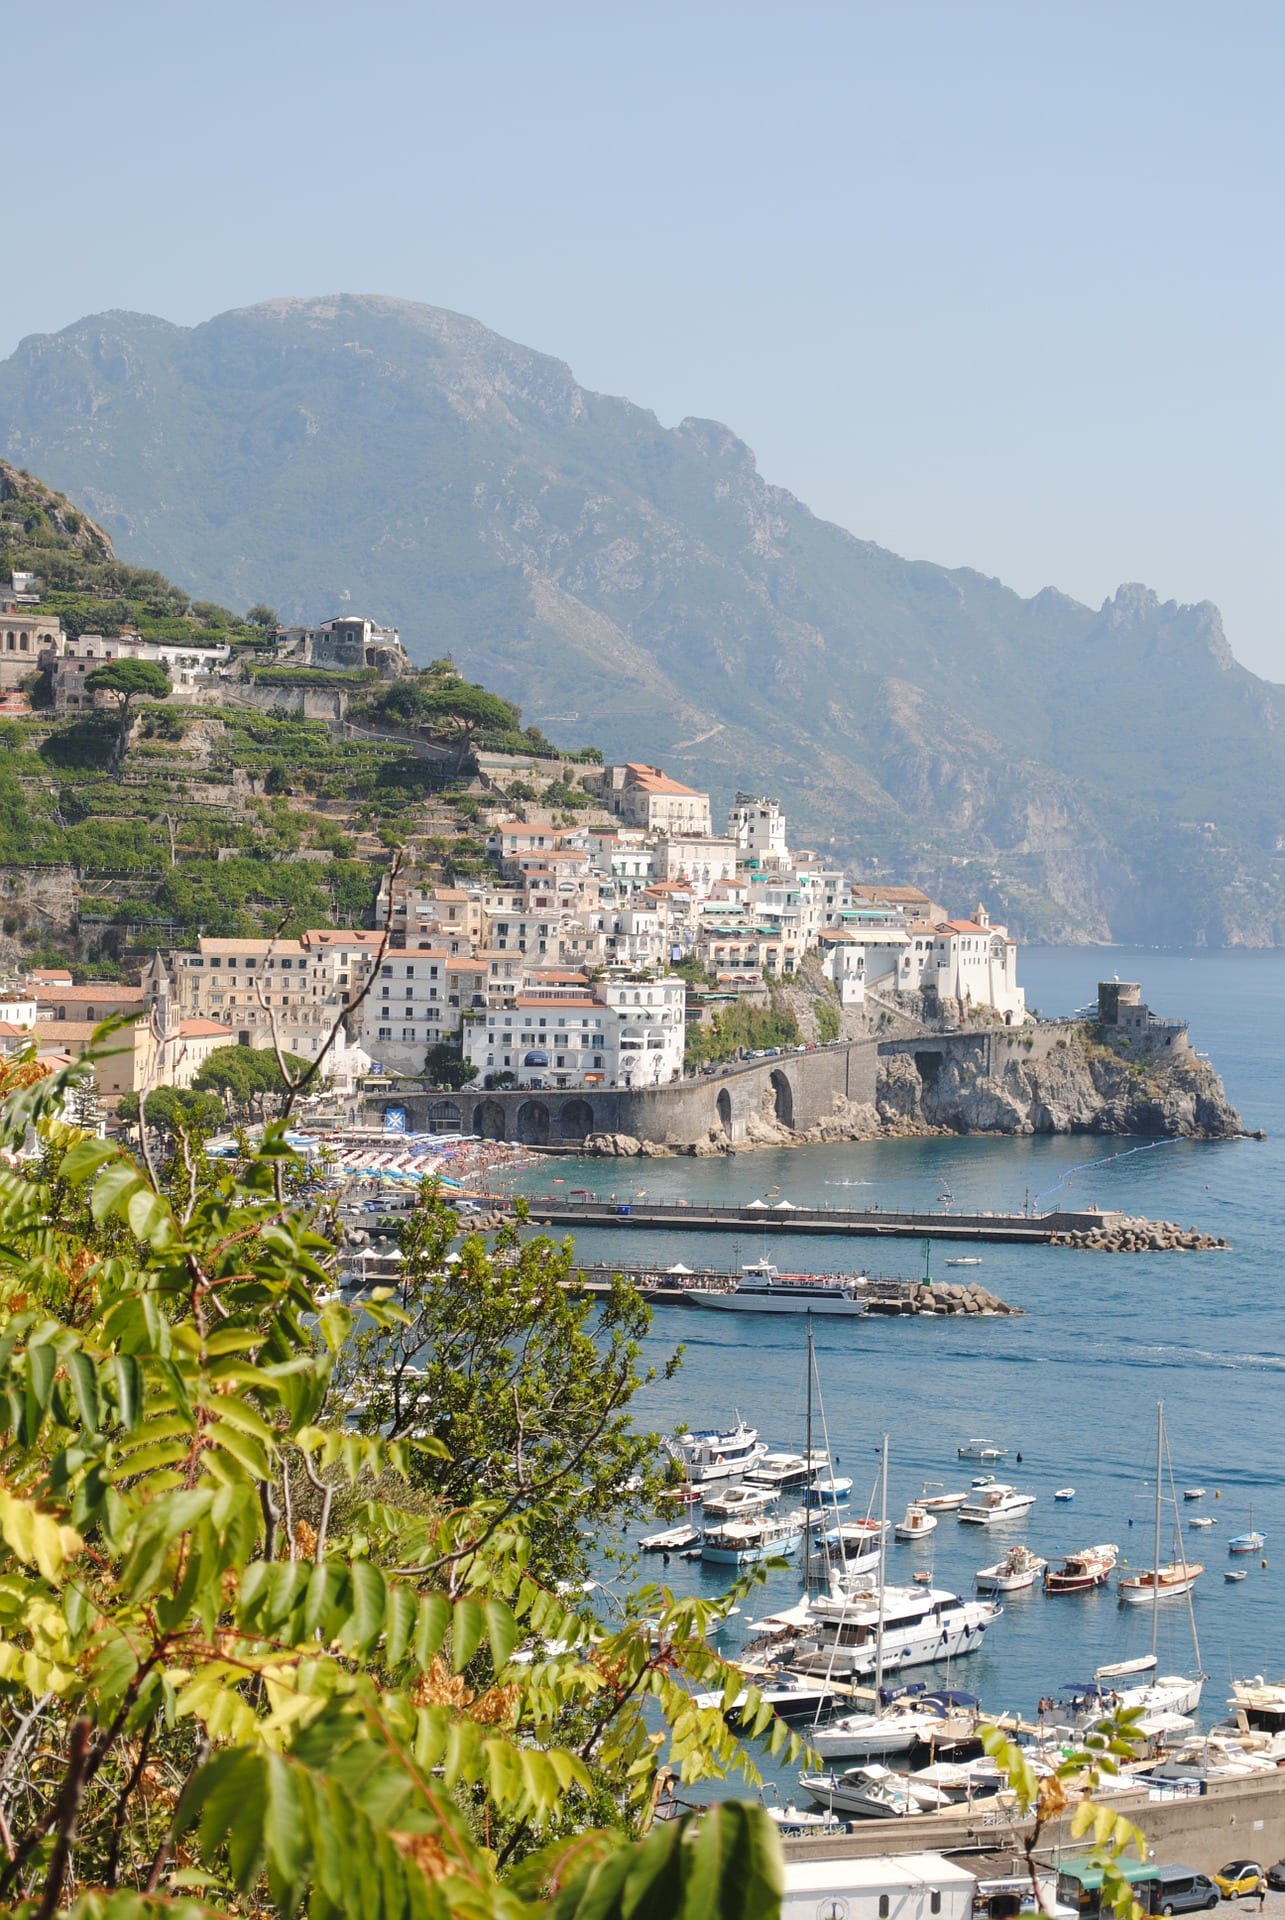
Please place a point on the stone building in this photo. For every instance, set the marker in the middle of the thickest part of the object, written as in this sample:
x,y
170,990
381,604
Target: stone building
x,y
346,644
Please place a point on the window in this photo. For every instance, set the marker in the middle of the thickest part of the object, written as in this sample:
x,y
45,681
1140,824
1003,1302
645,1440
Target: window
x,y
385,970
408,1033
411,970
384,992
385,1033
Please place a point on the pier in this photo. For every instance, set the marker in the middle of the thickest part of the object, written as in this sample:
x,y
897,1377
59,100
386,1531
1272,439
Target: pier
x,y
890,1295
1012,1229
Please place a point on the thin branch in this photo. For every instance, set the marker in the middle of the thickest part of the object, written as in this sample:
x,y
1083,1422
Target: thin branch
x,y
66,1809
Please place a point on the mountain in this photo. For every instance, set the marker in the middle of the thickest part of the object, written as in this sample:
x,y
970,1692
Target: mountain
x,y
1109,773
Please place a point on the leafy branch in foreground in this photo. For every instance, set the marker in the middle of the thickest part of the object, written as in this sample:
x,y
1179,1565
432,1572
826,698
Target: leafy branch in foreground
x,y
255,1660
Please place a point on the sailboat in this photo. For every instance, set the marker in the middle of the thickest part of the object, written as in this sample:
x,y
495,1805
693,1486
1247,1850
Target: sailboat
x,y
1156,1693
1251,1542
1175,1578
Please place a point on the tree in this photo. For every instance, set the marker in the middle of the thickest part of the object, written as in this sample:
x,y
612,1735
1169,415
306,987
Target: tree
x,y
127,681
459,711
260,616
172,1110
249,1078
447,1067
250,1666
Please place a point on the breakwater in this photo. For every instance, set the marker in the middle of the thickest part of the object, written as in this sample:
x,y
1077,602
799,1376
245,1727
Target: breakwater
x,y
1090,1228
887,1295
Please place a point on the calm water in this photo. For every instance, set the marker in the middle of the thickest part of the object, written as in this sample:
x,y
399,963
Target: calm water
x,y
1073,1384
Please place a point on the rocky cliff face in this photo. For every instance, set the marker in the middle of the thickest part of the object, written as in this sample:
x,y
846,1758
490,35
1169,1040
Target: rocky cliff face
x,y
1076,1087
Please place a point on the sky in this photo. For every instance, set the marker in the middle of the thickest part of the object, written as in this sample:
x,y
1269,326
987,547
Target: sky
x,y
996,285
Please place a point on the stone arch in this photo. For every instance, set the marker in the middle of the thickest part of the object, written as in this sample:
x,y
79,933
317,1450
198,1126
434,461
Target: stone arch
x,y
488,1120
444,1117
725,1111
575,1119
532,1126
782,1097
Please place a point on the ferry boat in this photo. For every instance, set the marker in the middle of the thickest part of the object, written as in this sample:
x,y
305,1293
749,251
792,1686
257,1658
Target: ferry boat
x,y
761,1289
917,1626
993,1503
1019,1569
742,1542
1090,1567
718,1453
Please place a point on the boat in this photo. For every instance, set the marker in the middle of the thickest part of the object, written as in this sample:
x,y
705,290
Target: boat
x,y
1090,1567
1174,1579
872,1793
790,1697
785,1471
733,1502
1193,1493
671,1540
982,1450
742,1542
1251,1542
831,1491
995,1503
965,1260
718,1453
761,1289
889,1629
1064,1493
916,1523
1235,1573
1202,1520
1151,1693
961,1780
904,1715
1019,1569
933,1498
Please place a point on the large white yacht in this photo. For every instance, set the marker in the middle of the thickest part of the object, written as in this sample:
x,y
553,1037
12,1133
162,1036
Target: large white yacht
x,y
917,1625
761,1289
718,1453
993,1503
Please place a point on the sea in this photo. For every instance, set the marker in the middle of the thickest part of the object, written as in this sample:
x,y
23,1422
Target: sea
x,y
1071,1385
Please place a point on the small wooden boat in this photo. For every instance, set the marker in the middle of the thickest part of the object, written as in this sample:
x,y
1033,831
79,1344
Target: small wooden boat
x,y
1090,1567
1235,1573
1159,1583
1064,1493
1251,1542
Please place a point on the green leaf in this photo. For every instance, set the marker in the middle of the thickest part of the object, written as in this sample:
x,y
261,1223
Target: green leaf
x,y
501,1631
468,1623
84,1385
113,1185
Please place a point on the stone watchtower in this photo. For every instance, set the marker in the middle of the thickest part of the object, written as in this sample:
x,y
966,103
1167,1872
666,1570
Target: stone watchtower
x,y
1123,1016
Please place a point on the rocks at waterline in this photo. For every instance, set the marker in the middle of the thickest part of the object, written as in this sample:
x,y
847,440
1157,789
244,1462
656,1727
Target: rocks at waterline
x,y
1140,1236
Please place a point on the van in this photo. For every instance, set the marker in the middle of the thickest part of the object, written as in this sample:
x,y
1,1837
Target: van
x,y
1183,1890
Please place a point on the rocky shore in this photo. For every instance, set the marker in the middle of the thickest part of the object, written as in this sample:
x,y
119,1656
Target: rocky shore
x,y
1141,1236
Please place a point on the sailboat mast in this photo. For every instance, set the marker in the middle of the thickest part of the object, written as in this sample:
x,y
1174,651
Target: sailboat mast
x,y
883,1566
807,1478
1155,1564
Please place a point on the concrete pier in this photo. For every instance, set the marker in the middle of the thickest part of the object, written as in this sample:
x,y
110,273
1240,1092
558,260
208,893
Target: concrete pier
x,y
1019,1229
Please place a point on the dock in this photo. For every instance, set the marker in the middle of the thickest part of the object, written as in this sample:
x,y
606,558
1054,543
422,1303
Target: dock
x,y
884,1294
1012,1229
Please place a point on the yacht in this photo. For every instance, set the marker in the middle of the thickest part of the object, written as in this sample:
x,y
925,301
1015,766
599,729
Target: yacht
x,y
1020,1568
785,1471
872,1792
916,1626
735,1502
993,1503
761,1289
719,1453
1135,1683
909,1715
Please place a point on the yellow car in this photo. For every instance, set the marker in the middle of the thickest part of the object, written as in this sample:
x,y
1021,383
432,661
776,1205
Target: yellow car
x,y
1238,1877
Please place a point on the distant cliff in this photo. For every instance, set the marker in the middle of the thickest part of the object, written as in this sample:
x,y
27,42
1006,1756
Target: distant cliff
x,y
1094,774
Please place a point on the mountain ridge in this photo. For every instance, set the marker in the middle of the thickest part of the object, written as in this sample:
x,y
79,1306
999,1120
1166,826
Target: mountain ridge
x,y
1100,773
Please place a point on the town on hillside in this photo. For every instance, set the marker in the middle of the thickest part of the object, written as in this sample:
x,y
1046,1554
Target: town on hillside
x,y
617,945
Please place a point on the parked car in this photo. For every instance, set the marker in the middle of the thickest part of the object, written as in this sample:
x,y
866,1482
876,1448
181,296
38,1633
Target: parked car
x,y
1276,1877
1238,1878
1183,1890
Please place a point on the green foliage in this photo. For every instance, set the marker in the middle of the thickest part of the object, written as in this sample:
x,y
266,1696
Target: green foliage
x,y
740,1028
447,1067
249,1078
257,1662
174,1110
829,1021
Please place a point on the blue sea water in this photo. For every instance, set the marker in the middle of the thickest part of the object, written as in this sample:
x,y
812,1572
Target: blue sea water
x,y
1073,1383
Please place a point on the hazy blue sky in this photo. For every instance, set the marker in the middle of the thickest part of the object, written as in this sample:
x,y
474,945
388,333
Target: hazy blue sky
x,y
993,284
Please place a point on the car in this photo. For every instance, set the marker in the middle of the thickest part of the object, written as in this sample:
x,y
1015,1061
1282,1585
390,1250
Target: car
x,y
1238,1878
1276,1877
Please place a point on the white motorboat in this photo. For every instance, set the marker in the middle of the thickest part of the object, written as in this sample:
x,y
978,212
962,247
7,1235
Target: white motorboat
x,y
733,1502
872,1792
742,1542
1064,1493
995,1503
1201,1521
1193,1493
671,1540
960,1780
891,1627
894,1728
785,1471
1148,1691
982,1450
718,1453
964,1260
793,1820
934,1498
789,1695
830,1491
1020,1568
761,1289
916,1523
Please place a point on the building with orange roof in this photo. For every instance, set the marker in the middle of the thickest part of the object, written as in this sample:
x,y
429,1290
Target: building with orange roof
x,y
643,796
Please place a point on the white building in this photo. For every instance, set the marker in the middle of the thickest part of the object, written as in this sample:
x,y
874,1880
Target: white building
x,y
187,665
758,827
566,1032
969,961
859,959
